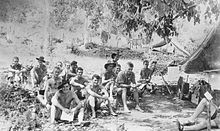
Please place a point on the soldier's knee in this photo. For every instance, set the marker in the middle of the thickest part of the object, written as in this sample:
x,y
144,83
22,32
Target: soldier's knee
x,y
203,101
91,100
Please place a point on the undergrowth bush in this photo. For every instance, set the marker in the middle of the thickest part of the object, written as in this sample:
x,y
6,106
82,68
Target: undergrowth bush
x,y
19,106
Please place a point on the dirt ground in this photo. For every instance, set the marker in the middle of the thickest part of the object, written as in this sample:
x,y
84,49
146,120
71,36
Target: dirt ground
x,y
165,111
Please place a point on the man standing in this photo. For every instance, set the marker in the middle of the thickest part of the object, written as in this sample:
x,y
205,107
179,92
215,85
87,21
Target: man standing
x,y
97,95
61,102
38,72
126,82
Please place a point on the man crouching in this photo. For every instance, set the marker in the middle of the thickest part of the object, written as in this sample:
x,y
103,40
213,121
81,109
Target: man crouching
x,y
96,95
61,101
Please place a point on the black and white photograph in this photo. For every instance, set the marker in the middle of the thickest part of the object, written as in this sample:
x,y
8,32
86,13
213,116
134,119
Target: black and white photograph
x,y
109,65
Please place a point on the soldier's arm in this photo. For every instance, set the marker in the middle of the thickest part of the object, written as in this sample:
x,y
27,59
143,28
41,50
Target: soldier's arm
x,y
75,97
74,83
10,69
92,93
104,81
121,80
47,87
56,103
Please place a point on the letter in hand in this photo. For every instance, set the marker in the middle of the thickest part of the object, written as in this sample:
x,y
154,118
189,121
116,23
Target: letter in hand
x,y
17,71
67,110
144,81
147,80
82,86
133,86
73,110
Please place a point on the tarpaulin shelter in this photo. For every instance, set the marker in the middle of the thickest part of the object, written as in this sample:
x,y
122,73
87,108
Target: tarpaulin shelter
x,y
174,44
207,57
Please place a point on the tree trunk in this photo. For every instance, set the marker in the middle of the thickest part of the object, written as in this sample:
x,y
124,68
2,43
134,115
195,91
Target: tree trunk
x,y
86,35
46,28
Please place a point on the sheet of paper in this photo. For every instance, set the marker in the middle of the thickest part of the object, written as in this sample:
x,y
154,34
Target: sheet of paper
x,y
208,95
68,117
142,86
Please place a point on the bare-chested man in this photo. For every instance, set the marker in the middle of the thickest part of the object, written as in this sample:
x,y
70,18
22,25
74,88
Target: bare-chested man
x,y
51,86
79,83
96,95
69,70
61,102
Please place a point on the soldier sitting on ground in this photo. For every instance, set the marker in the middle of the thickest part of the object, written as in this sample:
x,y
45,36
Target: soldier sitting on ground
x,y
127,85
115,58
191,125
97,95
117,69
61,102
38,73
51,86
16,71
146,75
69,70
79,83
108,78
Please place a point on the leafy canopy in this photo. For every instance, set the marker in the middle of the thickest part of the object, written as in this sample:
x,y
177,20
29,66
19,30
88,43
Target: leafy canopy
x,y
127,16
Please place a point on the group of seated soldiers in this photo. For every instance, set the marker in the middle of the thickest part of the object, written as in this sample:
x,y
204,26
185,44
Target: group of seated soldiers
x,y
66,84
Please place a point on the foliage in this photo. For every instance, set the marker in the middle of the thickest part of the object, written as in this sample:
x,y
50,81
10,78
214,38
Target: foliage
x,y
16,10
127,16
19,106
131,13
75,50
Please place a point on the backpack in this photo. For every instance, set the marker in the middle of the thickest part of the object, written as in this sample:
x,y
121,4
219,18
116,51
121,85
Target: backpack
x,y
199,89
184,91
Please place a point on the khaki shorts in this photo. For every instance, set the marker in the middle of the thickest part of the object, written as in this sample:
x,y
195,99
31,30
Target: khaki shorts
x,y
119,91
98,103
81,93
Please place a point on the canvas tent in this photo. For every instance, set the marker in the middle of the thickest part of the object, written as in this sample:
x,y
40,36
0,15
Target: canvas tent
x,y
207,57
